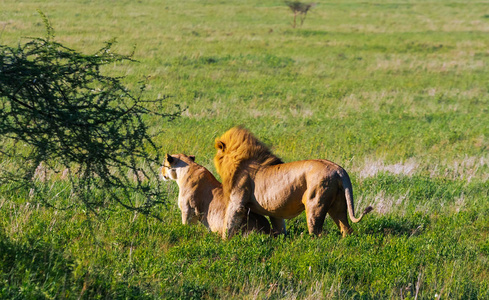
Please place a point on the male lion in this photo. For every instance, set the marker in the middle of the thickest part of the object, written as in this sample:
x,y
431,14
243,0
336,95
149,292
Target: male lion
x,y
254,178
200,196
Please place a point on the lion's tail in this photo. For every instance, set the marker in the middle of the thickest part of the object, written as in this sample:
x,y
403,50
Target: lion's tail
x,y
346,183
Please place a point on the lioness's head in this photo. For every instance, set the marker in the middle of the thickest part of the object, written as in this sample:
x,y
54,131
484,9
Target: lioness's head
x,y
174,162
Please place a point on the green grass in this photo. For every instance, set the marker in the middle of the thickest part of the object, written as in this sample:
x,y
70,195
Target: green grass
x,y
394,91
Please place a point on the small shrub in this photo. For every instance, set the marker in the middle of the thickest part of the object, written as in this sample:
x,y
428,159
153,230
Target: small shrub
x,y
299,8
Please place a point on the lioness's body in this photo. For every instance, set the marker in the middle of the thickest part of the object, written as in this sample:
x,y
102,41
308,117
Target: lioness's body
x,y
200,196
254,178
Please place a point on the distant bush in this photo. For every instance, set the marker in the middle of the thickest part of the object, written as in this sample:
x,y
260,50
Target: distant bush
x,y
61,117
299,8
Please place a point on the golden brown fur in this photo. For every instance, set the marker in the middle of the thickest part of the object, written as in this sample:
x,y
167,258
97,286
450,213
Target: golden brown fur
x,y
201,197
255,178
236,146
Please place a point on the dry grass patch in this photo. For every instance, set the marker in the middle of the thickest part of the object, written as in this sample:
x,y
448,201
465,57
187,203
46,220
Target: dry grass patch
x,y
372,168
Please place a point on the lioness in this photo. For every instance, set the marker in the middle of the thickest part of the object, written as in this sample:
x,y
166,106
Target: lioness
x,y
254,178
200,196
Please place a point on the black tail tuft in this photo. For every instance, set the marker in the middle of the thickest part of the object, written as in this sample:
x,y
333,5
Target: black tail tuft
x,y
367,210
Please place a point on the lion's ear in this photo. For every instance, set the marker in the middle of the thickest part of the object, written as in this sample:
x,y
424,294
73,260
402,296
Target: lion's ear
x,y
192,157
169,158
220,145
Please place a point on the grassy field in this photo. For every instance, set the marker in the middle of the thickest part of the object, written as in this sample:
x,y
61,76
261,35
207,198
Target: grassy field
x,y
394,91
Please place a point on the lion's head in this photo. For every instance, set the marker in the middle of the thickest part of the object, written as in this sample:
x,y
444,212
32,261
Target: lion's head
x,y
238,145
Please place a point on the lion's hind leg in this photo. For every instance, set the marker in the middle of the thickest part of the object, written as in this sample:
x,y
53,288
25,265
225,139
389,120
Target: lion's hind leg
x,y
339,213
316,210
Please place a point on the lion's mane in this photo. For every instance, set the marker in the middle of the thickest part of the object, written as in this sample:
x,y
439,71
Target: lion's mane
x,y
235,147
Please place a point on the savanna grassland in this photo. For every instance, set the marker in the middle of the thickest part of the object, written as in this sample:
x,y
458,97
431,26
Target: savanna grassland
x,y
394,91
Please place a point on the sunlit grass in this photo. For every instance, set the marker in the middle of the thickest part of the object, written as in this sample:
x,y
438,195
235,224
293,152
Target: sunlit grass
x,y
394,91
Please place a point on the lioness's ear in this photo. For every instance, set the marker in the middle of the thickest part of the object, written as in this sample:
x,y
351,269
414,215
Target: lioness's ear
x,y
192,157
169,158
220,145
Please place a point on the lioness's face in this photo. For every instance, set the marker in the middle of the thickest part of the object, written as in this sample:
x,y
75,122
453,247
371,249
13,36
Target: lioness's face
x,y
167,170
174,162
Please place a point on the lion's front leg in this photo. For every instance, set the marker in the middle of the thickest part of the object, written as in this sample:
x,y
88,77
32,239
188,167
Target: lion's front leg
x,y
185,210
235,216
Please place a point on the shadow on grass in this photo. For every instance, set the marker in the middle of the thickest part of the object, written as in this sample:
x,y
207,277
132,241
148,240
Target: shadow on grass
x,y
35,269
26,269
387,225
306,32
395,225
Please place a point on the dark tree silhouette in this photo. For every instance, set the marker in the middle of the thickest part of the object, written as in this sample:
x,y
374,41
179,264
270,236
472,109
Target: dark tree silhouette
x,y
299,8
60,116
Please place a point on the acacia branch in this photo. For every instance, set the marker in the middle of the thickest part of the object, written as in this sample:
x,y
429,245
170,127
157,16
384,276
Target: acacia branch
x,y
67,112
